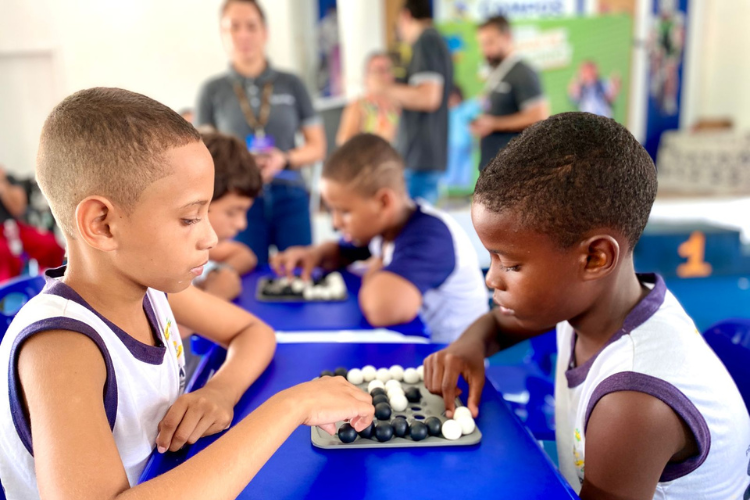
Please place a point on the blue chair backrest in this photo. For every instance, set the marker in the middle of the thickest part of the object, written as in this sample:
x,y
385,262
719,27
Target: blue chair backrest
x,y
14,294
730,340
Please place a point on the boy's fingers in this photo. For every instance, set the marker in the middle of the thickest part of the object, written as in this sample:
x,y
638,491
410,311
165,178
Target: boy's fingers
x,y
203,428
329,428
169,424
186,428
476,384
449,386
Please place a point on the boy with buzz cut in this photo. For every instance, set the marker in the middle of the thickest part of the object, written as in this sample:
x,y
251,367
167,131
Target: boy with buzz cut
x,y
420,260
643,408
237,182
94,364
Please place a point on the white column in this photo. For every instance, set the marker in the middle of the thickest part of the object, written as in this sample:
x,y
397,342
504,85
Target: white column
x,y
361,31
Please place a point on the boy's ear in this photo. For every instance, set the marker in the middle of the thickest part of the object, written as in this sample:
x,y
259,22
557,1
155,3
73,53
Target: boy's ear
x,y
599,257
95,218
385,197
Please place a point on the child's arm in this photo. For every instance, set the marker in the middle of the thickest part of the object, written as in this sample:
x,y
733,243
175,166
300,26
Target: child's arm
x,y
388,299
325,255
223,282
234,254
63,374
250,345
489,334
630,438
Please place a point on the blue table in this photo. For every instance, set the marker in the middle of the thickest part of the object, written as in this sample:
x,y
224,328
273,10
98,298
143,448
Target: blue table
x,y
315,316
508,463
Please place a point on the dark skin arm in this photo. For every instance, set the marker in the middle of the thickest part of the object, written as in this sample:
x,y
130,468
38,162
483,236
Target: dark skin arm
x,y
631,437
489,334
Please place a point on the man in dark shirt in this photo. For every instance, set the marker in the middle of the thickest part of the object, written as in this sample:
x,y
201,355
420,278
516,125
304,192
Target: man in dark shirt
x,y
513,96
422,138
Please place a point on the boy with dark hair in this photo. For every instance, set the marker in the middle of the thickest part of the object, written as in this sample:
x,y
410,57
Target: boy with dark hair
x,y
237,183
643,407
421,261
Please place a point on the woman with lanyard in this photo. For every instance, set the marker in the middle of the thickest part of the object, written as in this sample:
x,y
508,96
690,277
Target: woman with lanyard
x,y
266,108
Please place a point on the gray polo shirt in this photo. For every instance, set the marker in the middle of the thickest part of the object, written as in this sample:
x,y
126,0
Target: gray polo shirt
x,y
291,107
515,87
422,138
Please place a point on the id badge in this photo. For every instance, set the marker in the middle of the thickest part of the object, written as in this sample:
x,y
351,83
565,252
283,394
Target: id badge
x,y
259,144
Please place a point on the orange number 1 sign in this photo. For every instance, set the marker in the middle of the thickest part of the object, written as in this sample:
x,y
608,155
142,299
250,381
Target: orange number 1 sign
x,y
694,250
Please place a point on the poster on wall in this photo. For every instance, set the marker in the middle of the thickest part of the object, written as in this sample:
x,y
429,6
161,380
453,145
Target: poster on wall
x,y
584,64
330,81
666,44
474,10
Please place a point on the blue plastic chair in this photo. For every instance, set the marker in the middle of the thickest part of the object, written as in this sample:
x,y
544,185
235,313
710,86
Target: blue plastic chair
x,y
14,294
730,340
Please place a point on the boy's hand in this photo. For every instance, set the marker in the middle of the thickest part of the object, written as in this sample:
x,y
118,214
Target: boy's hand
x,y
224,282
284,263
194,415
328,400
271,163
441,371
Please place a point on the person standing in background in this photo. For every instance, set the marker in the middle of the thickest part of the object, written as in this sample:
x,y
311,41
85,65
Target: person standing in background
x,y
266,109
422,138
372,113
513,94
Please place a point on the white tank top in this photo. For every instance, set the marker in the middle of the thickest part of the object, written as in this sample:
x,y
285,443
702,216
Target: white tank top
x,y
658,351
142,382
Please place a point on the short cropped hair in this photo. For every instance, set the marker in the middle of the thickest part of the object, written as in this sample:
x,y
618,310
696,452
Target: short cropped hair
x,y
418,9
235,168
366,163
254,3
108,142
500,23
570,174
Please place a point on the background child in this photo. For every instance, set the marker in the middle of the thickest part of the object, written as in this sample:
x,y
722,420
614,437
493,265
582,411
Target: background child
x,y
237,182
644,408
95,361
420,260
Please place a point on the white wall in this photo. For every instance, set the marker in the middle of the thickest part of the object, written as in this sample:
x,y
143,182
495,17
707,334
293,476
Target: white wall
x,y
724,64
164,49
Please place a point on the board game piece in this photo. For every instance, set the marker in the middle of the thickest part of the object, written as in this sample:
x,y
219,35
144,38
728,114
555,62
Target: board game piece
x,y
355,376
411,376
341,371
382,411
377,391
467,425
397,372
462,411
400,427
413,395
418,431
368,372
451,430
399,403
420,371
375,384
383,375
380,398
392,383
383,432
347,433
366,433
326,373
433,425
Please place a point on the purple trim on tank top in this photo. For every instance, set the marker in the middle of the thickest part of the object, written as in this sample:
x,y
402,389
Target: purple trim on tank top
x,y
153,355
672,397
20,418
643,311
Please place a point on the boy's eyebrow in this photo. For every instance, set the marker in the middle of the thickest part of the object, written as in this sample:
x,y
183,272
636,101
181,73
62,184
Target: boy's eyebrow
x,y
198,202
